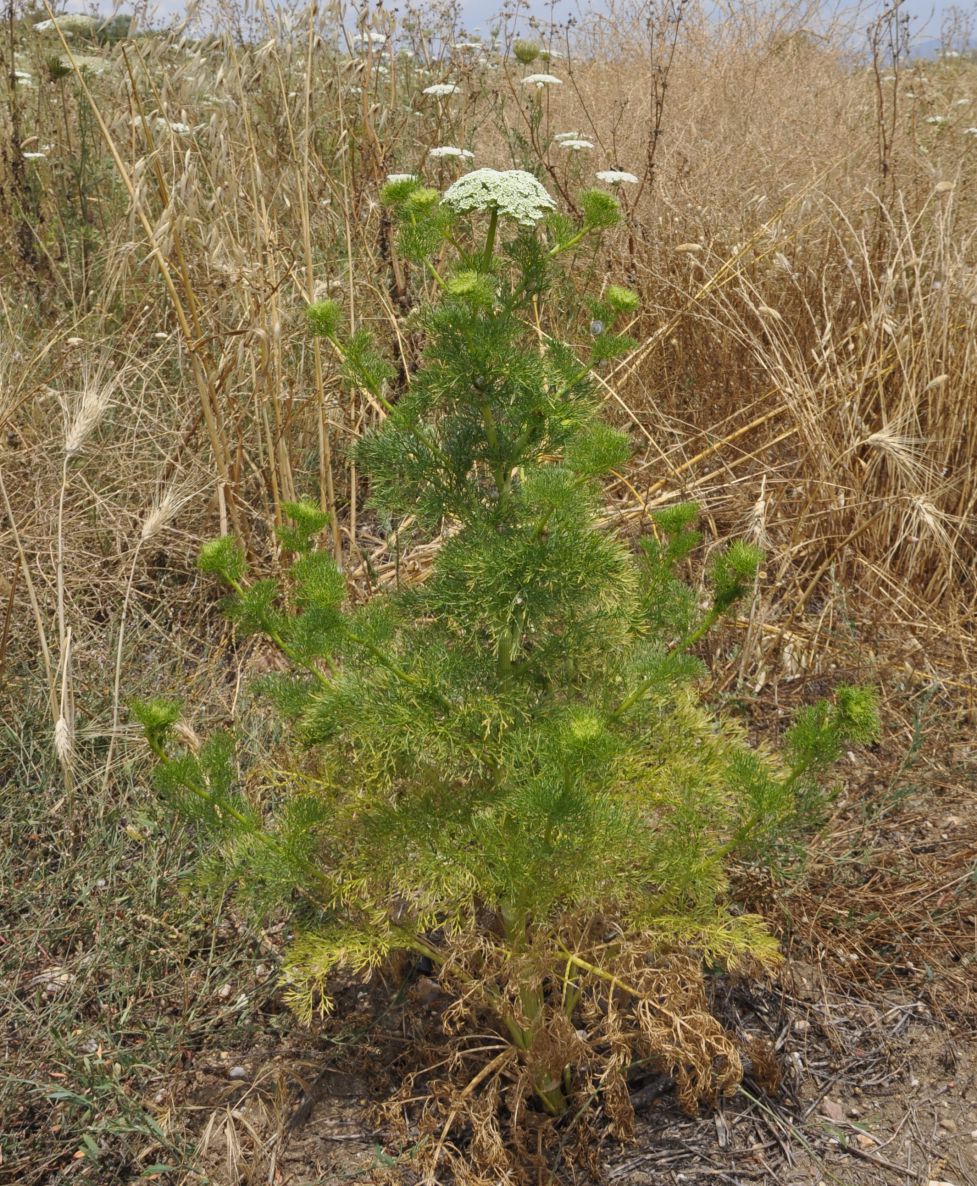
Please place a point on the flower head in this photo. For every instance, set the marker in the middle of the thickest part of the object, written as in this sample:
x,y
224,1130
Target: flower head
x,y
541,80
526,52
401,177
441,89
446,150
617,177
560,136
511,191
576,145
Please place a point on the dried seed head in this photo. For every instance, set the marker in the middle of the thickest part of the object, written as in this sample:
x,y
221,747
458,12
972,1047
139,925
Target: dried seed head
x,y
906,452
64,741
159,516
86,415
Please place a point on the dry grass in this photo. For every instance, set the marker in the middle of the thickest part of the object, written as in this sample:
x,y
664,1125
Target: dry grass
x,y
806,364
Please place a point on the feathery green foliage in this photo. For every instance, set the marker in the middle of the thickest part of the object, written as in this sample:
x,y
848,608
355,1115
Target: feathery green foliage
x,y
510,762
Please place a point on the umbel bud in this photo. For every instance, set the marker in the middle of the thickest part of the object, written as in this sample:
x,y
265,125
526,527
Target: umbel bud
x,y
525,52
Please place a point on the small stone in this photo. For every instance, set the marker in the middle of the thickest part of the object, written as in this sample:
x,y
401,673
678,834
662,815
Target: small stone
x,y
224,991
865,1140
428,990
947,1124
832,1110
237,1073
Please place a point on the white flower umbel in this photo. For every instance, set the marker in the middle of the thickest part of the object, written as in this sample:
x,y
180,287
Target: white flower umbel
x,y
446,150
616,177
576,145
441,89
512,192
970,131
401,177
541,80
561,136
937,120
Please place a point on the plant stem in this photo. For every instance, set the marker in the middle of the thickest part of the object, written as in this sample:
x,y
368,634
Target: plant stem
x,y
493,226
689,640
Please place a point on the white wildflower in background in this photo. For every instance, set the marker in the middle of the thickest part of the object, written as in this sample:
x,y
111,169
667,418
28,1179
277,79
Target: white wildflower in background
x,y
936,120
616,177
34,156
441,89
446,150
566,136
162,125
576,145
541,80
23,78
513,192
962,102
970,131
401,176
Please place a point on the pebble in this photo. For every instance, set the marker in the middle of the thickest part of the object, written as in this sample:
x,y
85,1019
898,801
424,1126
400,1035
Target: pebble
x,y
237,1073
948,1125
428,990
832,1110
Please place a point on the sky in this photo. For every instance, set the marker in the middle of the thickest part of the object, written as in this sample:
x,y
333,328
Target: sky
x,y
925,15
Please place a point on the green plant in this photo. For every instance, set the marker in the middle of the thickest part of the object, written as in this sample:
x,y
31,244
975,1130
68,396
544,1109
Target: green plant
x,y
511,773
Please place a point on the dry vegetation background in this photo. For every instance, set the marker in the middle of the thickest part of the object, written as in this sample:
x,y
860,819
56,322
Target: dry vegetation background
x,y
803,239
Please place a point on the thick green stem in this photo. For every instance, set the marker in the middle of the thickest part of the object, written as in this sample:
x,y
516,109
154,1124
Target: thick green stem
x,y
490,240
